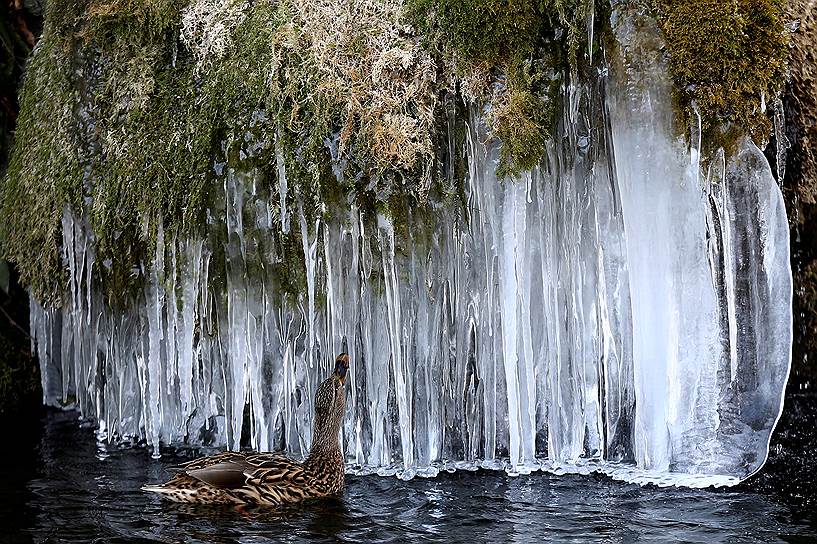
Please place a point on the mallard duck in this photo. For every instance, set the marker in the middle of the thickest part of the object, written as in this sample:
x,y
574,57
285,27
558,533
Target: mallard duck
x,y
271,478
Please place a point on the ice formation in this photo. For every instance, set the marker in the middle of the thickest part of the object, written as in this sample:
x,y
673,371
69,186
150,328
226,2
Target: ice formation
x,y
622,308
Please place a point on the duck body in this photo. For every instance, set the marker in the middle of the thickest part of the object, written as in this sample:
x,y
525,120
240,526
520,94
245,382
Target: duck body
x,y
271,478
253,478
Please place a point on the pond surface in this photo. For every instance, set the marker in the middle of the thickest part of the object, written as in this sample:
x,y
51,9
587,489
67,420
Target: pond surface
x,y
59,485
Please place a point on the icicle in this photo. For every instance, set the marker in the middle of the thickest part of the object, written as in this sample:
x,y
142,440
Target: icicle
x,y
282,185
154,293
310,248
781,141
191,280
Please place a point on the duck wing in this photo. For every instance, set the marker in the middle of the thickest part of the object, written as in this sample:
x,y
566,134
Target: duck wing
x,y
257,477
275,470
226,475
276,480
203,462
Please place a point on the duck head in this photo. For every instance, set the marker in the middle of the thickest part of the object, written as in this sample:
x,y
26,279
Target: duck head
x,y
330,405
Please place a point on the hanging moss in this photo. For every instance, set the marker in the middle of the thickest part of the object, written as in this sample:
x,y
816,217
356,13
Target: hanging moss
x,y
496,30
154,99
523,48
114,21
129,105
94,127
45,171
132,110
725,57
136,135
488,30
523,122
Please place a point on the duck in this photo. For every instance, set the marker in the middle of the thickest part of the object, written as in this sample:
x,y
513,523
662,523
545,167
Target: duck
x,y
270,479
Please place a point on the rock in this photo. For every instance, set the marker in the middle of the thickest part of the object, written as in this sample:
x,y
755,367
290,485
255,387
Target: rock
x,y
800,185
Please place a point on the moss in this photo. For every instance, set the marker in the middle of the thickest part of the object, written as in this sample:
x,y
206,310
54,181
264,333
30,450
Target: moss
x,y
44,172
289,272
110,22
153,161
369,89
524,121
521,48
138,137
489,30
724,57
142,122
496,30
522,133
149,113
121,139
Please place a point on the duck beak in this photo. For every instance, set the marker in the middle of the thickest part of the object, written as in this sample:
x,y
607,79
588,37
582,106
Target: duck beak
x,y
341,367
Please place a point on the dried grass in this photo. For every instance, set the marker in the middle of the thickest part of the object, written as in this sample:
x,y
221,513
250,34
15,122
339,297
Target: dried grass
x,y
374,71
208,26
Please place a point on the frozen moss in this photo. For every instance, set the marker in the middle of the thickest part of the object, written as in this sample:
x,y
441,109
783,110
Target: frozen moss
x,y
523,118
113,21
496,30
372,83
152,95
208,27
488,30
726,58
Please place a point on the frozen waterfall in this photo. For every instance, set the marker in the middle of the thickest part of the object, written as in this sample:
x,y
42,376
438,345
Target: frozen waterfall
x,y
622,308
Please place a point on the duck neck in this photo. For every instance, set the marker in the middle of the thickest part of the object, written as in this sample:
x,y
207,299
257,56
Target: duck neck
x,y
325,443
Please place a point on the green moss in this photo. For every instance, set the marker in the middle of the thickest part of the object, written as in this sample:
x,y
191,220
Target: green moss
x,y
724,56
128,136
496,30
65,20
45,171
137,134
522,133
126,126
526,45
524,122
111,22
289,272
489,30
140,127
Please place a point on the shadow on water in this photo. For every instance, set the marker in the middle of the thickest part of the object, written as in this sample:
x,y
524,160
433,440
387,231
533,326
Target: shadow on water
x,y
60,485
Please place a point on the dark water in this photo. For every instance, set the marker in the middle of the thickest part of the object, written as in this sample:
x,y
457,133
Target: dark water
x,y
58,485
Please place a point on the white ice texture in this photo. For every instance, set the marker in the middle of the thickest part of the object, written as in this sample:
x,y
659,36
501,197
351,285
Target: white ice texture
x,y
619,309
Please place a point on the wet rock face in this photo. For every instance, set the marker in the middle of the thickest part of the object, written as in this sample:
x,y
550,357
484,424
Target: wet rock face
x,y
20,392
801,98
800,186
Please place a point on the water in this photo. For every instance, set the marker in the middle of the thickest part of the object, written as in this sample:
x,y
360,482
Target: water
x,y
64,486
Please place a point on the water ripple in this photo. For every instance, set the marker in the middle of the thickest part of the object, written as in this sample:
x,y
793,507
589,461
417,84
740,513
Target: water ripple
x,y
60,491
